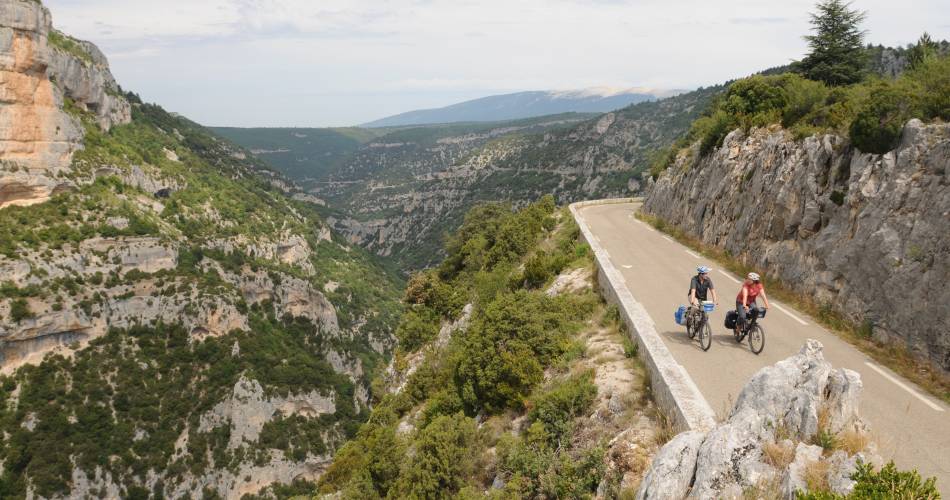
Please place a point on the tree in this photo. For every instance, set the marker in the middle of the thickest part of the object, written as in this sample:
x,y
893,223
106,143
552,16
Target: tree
x,y
925,50
837,47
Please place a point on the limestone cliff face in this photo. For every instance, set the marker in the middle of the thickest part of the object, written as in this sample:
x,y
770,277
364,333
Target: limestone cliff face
x,y
868,234
37,136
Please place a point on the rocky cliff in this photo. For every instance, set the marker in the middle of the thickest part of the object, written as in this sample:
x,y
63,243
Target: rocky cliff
x,y
864,233
40,70
170,321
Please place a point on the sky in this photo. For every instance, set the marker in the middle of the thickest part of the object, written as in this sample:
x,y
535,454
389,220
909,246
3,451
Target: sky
x,y
312,63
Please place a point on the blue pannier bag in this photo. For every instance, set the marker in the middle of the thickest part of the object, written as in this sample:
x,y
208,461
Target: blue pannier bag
x,y
679,315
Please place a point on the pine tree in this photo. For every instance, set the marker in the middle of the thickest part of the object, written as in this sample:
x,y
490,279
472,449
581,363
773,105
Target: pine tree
x,y
837,45
925,50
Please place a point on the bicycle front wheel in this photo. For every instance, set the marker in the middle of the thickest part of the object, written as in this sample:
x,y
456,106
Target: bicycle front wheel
x,y
756,339
705,336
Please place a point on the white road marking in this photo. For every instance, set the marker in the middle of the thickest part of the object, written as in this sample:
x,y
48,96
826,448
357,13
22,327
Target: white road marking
x,y
667,238
693,254
628,267
904,386
644,224
786,311
730,277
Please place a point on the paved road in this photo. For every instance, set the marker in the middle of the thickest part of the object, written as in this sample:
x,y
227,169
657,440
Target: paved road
x,y
911,427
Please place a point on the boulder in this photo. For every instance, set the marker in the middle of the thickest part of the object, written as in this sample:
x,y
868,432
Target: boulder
x,y
671,474
780,400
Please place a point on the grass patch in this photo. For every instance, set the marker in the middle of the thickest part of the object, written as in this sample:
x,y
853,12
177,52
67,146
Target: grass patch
x,y
778,455
69,45
895,357
816,476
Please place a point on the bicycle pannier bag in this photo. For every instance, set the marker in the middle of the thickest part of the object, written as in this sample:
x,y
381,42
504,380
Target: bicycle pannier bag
x,y
731,318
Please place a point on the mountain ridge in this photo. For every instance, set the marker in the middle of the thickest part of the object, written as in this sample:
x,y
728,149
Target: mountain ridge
x,y
526,104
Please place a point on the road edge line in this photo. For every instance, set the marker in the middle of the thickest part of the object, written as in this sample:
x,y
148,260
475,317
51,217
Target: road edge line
x,y
904,386
673,389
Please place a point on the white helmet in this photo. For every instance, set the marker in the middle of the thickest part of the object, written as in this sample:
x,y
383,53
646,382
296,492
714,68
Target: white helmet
x,y
753,276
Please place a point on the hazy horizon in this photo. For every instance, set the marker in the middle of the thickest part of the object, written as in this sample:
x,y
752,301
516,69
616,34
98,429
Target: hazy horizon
x,y
291,63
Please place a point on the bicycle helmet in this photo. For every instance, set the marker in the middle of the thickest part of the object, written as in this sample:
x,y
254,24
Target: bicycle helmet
x,y
702,270
753,277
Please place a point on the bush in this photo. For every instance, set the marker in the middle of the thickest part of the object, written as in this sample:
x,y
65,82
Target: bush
x,y
713,130
888,483
444,458
20,310
556,408
505,350
754,95
880,119
933,80
536,272
535,469
419,325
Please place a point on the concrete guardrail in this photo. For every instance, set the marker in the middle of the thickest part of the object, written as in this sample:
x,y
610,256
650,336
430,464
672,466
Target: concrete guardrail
x,y
673,389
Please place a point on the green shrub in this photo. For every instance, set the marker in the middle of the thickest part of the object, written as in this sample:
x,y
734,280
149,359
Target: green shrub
x,y
880,119
803,97
20,310
535,469
537,271
419,325
444,458
712,130
509,343
754,95
886,483
557,407
933,80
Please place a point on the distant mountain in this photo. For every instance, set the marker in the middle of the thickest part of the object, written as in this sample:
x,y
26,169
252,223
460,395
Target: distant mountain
x,y
525,105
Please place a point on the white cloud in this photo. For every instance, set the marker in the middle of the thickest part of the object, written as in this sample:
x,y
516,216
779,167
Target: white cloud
x,y
306,62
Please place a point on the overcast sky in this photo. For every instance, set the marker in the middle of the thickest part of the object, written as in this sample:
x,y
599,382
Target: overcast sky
x,y
344,62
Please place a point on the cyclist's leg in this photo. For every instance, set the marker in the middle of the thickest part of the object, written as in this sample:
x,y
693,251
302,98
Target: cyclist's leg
x,y
740,322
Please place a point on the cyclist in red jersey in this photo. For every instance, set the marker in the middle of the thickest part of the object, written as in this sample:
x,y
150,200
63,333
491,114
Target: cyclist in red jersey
x,y
752,289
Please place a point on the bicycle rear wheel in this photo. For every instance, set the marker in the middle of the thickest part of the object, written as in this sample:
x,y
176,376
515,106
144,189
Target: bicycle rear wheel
x,y
690,328
705,336
756,339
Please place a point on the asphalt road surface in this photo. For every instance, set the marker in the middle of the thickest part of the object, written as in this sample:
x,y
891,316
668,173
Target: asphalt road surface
x,y
910,426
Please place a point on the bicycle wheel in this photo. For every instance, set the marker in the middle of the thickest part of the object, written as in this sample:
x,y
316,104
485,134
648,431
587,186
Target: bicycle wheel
x,y
705,336
689,325
756,339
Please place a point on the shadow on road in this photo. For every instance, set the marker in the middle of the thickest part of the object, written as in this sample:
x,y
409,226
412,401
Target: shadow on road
x,y
718,338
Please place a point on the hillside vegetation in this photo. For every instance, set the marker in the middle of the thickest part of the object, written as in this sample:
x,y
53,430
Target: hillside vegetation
x,y
130,413
495,384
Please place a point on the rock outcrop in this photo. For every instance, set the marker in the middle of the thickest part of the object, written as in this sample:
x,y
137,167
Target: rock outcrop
x,y
867,234
249,408
37,136
783,406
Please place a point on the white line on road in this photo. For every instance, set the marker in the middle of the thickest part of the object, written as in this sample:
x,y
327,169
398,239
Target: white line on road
x,y
903,386
644,224
667,238
730,277
786,311
693,254
628,267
